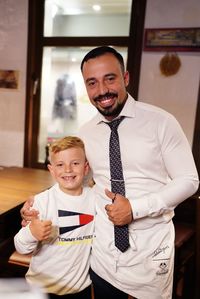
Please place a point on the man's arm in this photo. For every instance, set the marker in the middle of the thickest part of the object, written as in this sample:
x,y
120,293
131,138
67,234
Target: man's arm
x,y
183,180
27,213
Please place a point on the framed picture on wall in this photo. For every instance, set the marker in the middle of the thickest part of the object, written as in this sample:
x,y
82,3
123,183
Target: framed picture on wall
x,y
172,39
9,79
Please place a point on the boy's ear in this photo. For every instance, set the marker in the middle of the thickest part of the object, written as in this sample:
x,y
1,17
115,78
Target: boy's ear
x,y
87,167
50,168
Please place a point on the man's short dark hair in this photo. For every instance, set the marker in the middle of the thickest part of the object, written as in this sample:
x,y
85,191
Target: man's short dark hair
x,y
99,51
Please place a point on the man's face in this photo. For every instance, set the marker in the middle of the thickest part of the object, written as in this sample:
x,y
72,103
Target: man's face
x,y
106,84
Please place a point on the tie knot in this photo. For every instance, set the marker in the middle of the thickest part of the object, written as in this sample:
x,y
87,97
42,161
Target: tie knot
x,y
115,123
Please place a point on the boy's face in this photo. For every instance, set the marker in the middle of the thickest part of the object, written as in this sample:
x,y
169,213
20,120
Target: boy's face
x,y
69,168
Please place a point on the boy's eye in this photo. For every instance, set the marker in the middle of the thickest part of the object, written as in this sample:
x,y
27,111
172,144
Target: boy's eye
x,y
59,165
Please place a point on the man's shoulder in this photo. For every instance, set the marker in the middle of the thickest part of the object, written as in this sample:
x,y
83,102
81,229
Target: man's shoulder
x,y
153,110
149,107
89,125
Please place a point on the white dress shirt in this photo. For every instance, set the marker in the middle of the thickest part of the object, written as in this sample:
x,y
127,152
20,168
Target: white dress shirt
x,y
159,173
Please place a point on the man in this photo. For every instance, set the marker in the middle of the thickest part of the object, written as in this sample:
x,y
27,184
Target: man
x,y
159,173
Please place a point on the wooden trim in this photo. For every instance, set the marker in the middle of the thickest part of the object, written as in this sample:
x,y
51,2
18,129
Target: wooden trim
x,y
196,149
20,259
33,73
85,41
196,139
135,45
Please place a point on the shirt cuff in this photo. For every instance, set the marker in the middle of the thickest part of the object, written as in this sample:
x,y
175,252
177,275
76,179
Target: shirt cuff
x,y
140,208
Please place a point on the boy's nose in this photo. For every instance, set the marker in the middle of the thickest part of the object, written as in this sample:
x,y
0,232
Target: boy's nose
x,y
67,168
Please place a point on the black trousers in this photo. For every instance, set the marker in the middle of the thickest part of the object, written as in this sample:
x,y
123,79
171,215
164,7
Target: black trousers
x,y
85,294
104,290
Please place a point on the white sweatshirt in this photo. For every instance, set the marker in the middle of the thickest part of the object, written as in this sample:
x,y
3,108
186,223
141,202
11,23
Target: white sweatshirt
x,y
62,263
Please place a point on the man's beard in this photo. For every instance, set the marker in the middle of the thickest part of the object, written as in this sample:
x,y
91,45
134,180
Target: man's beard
x,y
110,111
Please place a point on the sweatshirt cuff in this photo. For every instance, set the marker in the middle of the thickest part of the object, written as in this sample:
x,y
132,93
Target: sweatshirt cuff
x,y
28,235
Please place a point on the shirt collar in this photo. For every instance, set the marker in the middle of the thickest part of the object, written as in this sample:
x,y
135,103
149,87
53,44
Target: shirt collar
x,y
127,111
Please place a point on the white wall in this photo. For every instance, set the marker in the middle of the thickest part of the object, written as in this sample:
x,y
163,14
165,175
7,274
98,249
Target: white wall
x,y
13,52
178,93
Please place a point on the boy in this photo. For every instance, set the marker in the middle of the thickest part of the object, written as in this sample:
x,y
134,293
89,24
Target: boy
x,y
60,238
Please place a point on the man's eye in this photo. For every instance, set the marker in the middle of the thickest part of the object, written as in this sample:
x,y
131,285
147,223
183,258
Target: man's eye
x,y
91,83
110,79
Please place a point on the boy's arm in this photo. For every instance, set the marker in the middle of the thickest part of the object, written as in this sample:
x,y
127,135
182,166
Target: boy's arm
x,y
40,229
24,241
27,238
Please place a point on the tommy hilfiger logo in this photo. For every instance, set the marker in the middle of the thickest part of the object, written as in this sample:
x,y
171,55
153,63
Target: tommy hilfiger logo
x,y
69,220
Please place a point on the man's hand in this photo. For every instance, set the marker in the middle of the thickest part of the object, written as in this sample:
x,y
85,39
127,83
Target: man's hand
x,y
40,229
27,213
119,212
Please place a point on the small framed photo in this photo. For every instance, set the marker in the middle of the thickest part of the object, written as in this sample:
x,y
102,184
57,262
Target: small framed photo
x,y
172,39
9,79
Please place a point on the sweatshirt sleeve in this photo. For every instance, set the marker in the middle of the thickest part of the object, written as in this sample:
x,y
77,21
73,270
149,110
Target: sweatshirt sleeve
x,y
24,241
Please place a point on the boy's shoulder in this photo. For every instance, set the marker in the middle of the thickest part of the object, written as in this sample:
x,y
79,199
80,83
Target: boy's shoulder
x,y
88,190
44,195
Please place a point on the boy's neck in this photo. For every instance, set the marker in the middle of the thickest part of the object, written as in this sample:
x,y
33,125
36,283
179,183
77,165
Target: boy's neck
x,y
75,192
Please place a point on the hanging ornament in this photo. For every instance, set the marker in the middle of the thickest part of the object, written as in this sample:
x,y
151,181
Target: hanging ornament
x,y
170,64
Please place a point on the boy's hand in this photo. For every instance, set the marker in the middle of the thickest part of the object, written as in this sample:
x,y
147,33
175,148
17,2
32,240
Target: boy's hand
x,y
40,229
119,212
27,213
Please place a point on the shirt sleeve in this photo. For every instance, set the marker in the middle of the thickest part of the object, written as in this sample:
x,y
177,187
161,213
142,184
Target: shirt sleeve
x,y
183,179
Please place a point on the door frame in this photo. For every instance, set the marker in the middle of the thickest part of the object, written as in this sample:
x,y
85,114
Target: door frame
x,y
36,42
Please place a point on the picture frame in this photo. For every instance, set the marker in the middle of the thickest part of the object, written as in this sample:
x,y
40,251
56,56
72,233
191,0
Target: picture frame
x,y
172,39
9,79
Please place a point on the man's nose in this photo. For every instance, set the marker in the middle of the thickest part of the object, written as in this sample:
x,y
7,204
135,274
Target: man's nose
x,y
103,88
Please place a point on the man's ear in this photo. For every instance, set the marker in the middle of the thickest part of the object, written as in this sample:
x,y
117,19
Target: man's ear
x,y
126,78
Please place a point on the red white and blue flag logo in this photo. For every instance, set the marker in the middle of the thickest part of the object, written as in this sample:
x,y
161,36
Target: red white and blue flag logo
x,y
69,220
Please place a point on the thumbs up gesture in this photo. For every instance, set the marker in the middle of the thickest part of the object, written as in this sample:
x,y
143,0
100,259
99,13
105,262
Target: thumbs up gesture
x,y
40,229
119,211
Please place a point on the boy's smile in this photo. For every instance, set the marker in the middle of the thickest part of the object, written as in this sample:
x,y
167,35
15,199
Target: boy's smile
x,y
69,168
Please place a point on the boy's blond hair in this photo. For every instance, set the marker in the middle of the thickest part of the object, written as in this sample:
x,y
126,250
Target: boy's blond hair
x,y
66,143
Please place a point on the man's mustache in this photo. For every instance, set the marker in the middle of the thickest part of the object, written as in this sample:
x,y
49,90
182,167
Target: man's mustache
x,y
105,95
